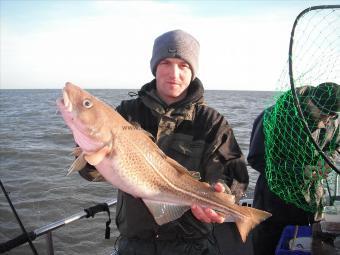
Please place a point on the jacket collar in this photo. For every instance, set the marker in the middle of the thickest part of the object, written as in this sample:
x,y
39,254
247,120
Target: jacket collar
x,y
149,96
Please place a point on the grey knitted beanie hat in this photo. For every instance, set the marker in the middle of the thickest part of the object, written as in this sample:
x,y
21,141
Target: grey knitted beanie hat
x,y
176,44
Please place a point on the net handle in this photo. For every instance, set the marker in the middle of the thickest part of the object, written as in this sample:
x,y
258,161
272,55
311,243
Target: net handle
x,y
292,85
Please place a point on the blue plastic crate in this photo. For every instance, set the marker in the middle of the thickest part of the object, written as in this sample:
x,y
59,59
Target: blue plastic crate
x,y
287,234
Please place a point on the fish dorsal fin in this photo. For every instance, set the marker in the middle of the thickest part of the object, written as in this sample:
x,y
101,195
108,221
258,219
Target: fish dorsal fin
x,y
196,175
78,164
136,126
181,169
149,135
96,158
164,213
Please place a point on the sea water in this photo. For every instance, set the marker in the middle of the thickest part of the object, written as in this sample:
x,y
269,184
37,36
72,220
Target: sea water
x,y
35,155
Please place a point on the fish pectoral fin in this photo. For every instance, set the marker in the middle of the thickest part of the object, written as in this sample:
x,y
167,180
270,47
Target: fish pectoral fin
x,y
96,158
139,128
98,177
164,213
252,217
76,151
150,136
78,164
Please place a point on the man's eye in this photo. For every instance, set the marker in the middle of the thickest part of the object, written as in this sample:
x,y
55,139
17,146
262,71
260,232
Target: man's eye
x,y
185,66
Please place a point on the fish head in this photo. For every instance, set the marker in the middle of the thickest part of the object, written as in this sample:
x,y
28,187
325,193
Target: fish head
x,y
89,119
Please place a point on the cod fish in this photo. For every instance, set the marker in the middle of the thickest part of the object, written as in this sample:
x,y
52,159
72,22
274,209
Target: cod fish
x,y
128,158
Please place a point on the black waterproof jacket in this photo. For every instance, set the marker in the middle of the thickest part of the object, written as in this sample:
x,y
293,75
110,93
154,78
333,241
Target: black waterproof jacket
x,y
199,138
282,212
267,234
264,198
193,134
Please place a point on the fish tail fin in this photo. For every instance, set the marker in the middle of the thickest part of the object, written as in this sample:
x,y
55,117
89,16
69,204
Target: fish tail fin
x,y
252,218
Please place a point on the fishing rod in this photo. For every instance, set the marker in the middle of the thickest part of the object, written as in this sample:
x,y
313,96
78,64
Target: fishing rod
x,y
47,229
25,234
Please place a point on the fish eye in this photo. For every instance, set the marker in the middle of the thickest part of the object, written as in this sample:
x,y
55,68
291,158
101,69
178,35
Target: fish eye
x,y
87,103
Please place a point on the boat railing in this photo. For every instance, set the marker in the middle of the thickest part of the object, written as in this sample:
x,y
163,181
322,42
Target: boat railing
x,y
49,228
246,202
90,212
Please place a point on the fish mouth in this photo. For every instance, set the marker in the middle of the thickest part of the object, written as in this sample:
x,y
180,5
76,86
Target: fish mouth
x,y
66,101
65,107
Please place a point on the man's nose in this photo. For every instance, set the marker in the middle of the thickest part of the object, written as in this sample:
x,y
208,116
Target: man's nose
x,y
174,70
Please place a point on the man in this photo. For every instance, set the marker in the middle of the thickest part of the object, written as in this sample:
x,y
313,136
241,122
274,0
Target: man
x,y
320,106
171,108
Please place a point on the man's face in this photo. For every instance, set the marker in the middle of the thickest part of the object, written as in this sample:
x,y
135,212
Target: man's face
x,y
318,116
173,76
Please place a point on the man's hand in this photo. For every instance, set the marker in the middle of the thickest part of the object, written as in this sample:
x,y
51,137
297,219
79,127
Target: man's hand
x,y
314,173
208,215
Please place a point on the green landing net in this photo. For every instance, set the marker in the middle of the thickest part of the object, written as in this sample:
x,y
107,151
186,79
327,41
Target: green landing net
x,y
301,159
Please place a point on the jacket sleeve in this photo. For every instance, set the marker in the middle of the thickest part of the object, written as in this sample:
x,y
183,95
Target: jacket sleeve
x,y
256,156
225,161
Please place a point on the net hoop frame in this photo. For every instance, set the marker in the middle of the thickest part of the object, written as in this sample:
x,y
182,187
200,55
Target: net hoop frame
x,y
292,85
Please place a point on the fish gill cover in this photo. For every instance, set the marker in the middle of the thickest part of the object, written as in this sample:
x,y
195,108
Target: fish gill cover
x,y
299,155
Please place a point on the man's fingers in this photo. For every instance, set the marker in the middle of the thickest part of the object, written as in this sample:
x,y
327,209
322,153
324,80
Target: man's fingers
x,y
213,216
219,187
200,214
206,215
